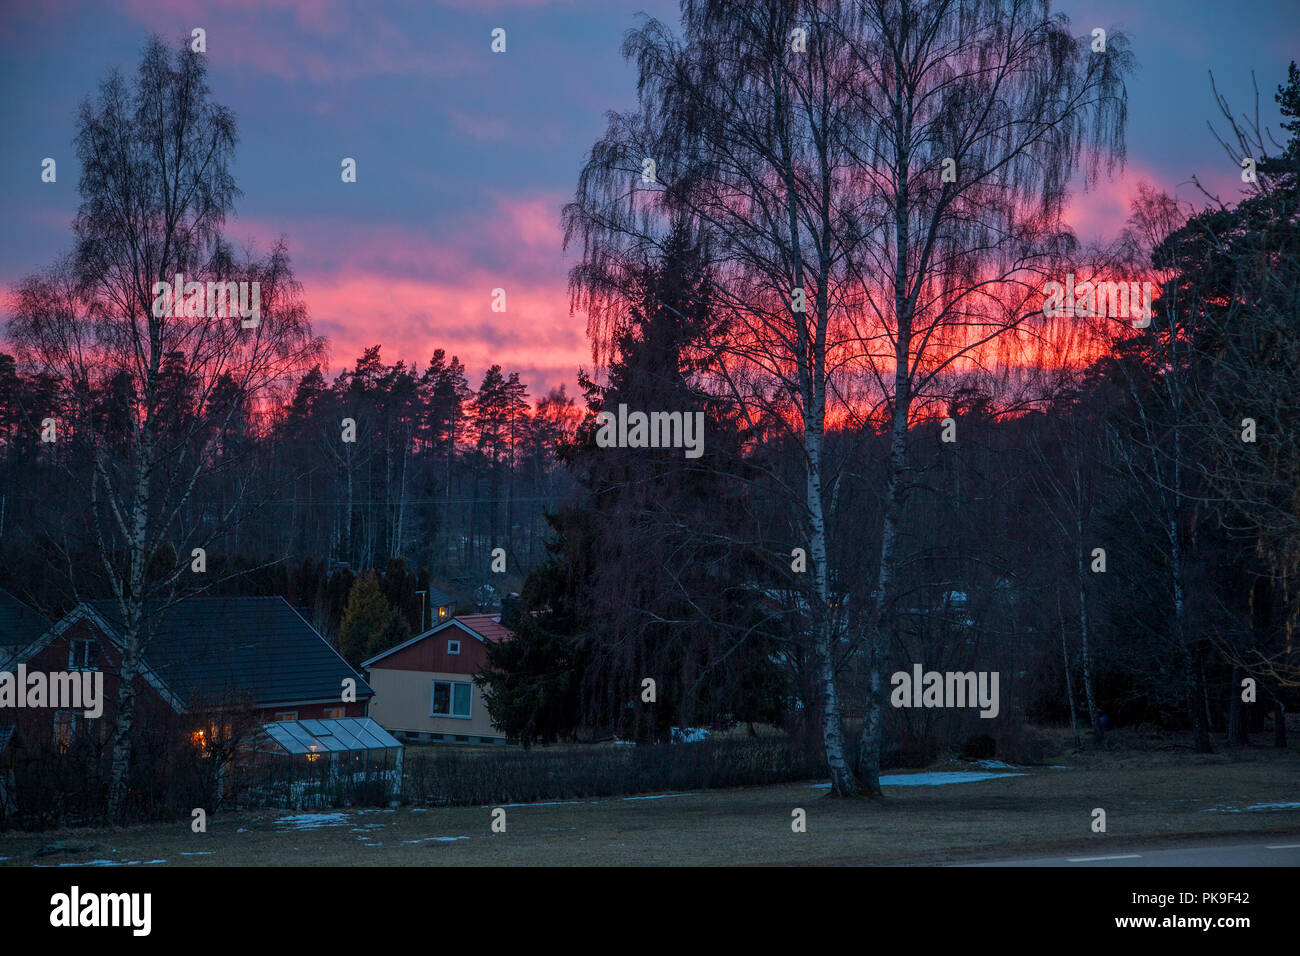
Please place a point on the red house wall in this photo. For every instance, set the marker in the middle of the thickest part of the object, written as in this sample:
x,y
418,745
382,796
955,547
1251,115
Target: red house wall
x,y
312,711
431,655
151,710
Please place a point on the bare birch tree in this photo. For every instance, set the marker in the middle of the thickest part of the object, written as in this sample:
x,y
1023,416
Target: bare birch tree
x,y
156,188
807,142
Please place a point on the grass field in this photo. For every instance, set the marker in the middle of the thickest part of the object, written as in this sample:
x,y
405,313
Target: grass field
x,y
1150,797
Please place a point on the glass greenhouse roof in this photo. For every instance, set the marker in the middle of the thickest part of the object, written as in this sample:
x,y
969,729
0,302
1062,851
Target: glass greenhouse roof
x,y
346,734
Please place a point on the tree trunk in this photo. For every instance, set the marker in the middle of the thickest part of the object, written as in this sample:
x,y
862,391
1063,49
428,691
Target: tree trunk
x,y
123,728
880,632
843,783
124,721
1069,689
1085,654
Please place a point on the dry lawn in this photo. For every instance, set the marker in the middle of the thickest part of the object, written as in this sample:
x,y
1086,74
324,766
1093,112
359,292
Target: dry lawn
x,y
1150,797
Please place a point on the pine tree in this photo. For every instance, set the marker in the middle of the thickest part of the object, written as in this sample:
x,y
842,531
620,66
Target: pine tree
x,y
370,624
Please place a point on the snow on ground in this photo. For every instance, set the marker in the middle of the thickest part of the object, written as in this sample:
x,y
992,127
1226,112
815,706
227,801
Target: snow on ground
x,y
198,853
1253,807
313,821
936,778
688,735
435,840
546,803
111,863
661,796
939,778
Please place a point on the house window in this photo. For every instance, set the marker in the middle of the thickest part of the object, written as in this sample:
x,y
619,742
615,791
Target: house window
x,y
453,647
334,713
81,655
286,715
450,699
65,728
443,612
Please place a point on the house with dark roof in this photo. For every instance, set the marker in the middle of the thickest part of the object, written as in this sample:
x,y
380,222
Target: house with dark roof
x,y
257,655
424,687
442,604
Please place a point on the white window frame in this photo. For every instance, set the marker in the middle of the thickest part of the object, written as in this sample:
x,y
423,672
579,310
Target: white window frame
x,y
456,652
82,642
451,698
329,713
285,715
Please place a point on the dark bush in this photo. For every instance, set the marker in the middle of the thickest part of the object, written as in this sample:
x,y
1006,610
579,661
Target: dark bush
x,y
979,747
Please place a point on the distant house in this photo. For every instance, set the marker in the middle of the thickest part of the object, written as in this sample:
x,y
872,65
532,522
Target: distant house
x,y
256,654
443,605
424,688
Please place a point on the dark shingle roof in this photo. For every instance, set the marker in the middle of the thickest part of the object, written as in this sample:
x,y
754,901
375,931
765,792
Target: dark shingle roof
x,y
259,646
440,598
19,624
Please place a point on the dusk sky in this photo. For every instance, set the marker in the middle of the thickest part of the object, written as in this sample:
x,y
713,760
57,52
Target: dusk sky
x,y
465,157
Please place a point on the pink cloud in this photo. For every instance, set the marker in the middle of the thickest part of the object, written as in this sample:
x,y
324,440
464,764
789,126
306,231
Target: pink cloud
x,y
535,336
238,35
413,292
1102,212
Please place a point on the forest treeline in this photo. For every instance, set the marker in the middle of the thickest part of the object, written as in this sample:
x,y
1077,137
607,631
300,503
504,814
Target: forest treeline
x,y
903,463
439,475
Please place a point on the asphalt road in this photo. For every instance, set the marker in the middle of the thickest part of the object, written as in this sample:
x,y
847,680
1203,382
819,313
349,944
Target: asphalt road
x,y
1279,852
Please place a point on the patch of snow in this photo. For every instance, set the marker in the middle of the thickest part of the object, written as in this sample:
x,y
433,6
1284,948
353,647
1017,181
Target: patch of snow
x,y
931,779
546,803
95,863
939,779
198,853
435,840
313,821
688,735
660,796
995,765
1255,807
112,863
